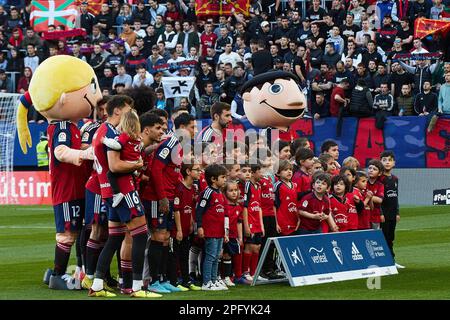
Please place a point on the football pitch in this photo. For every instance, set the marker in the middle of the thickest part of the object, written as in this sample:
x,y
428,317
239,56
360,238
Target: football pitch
x,y
27,242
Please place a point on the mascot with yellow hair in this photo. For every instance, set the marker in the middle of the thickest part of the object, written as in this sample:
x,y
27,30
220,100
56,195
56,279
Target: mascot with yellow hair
x,y
64,90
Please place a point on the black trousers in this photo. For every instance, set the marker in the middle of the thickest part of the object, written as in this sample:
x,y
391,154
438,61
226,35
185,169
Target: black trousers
x,y
270,228
388,228
178,255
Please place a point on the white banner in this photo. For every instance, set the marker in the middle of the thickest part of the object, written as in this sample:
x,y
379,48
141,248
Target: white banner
x,y
177,86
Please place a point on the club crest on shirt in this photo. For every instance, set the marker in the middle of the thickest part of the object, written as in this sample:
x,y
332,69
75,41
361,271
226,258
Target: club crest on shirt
x,y
85,137
203,203
305,204
164,153
62,137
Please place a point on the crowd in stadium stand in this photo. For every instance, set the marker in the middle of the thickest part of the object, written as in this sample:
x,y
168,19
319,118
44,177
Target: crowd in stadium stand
x,y
352,57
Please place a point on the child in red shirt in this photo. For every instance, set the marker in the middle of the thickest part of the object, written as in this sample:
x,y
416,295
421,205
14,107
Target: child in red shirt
x,y
375,170
338,201
232,251
354,199
130,146
184,212
302,178
315,207
364,216
286,201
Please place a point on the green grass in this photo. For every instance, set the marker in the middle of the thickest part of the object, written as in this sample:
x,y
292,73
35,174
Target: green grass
x,y
422,244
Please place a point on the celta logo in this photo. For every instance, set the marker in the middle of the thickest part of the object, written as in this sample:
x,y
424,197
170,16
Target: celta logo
x,y
356,255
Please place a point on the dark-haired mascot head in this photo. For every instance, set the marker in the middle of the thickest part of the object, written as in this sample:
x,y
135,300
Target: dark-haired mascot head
x,y
273,99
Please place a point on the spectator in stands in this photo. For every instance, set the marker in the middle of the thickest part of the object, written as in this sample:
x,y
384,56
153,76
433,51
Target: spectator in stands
x,y
232,84
14,20
380,77
206,101
338,101
353,53
436,9
316,12
142,77
133,60
174,60
172,14
426,102
324,81
314,53
398,78
24,80
76,51
104,19
155,10
115,9
169,37
336,40
331,57
386,35
207,39
349,28
98,59
361,102
122,77
385,8
116,57
6,85
405,101
3,61
16,38
229,56
188,38
343,73
31,60
97,35
320,107
87,19
422,72
419,8
128,34
383,106
222,41
106,81
371,54
15,62
31,38
405,33
361,36
262,59
444,96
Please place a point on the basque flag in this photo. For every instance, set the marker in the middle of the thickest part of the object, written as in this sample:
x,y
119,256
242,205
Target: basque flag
x,y
54,12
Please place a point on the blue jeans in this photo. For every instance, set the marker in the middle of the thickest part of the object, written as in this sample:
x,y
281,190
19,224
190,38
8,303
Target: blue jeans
x,y
213,246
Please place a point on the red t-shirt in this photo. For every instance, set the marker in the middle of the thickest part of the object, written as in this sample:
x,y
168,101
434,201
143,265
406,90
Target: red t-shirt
x,y
286,205
303,182
202,182
364,216
210,213
339,209
311,204
207,40
234,214
352,212
164,170
131,149
92,184
125,182
252,201
267,197
184,202
334,105
66,181
377,189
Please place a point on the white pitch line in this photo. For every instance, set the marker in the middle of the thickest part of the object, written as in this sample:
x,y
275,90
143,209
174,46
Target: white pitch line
x,y
33,209
25,227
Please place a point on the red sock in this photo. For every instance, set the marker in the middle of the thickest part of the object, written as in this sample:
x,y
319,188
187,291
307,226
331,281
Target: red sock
x,y
246,261
254,263
237,265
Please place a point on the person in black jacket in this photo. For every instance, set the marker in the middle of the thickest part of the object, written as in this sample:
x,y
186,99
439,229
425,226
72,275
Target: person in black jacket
x,y
320,107
426,102
261,59
361,102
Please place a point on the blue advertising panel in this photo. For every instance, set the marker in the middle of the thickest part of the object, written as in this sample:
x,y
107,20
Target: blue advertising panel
x,y
330,257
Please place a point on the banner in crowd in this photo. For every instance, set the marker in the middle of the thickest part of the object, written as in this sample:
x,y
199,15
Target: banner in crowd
x,y
424,27
93,6
220,7
63,34
54,12
177,86
441,197
413,146
26,187
331,257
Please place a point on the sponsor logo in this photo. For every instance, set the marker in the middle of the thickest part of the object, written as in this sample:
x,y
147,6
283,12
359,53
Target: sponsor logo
x,y
62,137
187,210
318,256
341,218
356,255
220,209
337,252
295,256
164,153
391,194
441,197
374,249
292,207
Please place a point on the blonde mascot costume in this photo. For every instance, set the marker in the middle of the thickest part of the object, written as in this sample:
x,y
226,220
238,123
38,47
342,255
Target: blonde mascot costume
x,y
64,90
